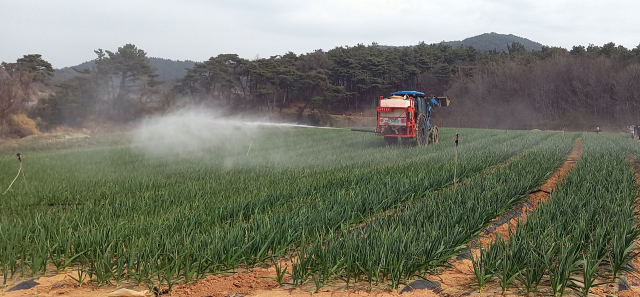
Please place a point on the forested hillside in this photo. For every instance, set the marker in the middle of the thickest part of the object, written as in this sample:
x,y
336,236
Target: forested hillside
x,y
166,69
520,88
494,41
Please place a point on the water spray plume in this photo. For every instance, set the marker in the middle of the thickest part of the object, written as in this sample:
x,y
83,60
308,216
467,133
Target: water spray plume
x,y
266,124
191,130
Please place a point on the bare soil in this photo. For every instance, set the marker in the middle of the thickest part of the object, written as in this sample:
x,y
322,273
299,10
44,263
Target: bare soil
x,y
59,285
252,282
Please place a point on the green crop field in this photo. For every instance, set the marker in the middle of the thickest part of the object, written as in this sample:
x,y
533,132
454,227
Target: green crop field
x,y
585,236
341,205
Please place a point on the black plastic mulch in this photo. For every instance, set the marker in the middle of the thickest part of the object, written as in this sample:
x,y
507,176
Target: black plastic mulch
x,y
25,285
422,284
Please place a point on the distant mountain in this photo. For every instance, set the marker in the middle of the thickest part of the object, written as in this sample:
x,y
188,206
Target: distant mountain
x,y
169,69
494,41
166,69
68,72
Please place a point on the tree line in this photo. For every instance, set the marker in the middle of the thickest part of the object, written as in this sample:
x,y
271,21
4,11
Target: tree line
x,y
582,88
514,89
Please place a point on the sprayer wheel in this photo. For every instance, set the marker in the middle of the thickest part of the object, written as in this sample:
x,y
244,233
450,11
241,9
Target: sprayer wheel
x,y
406,140
435,136
390,140
422,130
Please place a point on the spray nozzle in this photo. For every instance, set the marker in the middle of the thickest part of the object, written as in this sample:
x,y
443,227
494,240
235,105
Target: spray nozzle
x,y
19,158
457,138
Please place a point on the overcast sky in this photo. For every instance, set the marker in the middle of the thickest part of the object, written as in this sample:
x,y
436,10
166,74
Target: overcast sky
x,y
66,32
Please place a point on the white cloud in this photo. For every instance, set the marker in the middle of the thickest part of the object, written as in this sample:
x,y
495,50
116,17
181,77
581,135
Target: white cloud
x,y
66,32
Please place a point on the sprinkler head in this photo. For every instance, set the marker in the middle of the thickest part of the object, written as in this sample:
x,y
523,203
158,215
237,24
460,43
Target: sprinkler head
x,y
19,157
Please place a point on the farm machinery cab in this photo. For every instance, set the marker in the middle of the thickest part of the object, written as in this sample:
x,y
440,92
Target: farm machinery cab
x,y
406,115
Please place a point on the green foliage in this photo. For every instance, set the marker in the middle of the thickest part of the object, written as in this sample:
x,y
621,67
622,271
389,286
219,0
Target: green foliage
x,y
222,72
123,216
131,65
482,273
586,234
365,72
423,234
516,48
30,64
75,101
129,62
518,84
578,50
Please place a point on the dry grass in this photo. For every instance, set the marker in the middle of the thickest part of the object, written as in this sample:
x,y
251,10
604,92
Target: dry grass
x,y
22,126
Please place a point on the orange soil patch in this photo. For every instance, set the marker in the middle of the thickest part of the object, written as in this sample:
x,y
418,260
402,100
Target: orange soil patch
x,y
254,283
341,293
537,197
243,283
60,285
246,282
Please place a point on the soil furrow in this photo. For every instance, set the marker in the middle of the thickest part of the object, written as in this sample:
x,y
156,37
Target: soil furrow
x,y
459,279
541,195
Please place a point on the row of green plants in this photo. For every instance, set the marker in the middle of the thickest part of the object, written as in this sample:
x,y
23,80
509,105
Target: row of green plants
x,y
583,237
417,239
303,159
116,214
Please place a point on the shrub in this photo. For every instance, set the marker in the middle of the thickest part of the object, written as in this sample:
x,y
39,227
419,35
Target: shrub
x,y
21,125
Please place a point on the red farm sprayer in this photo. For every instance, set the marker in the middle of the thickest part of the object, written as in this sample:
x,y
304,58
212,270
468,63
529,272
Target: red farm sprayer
x,y
406,115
